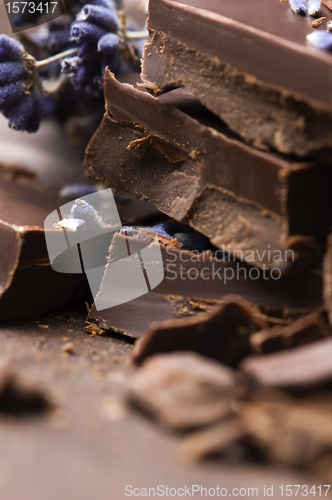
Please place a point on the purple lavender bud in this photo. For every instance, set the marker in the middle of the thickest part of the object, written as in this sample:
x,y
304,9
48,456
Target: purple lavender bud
x,y
84,31
11,93
58,41
162,229
11,71
321,40
84,75
71,65
10,49
109,43
299,7
38,103
314,7
19,115
108,4
82,210
103,17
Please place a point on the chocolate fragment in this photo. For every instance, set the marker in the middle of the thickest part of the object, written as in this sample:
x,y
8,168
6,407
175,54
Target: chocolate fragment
x,y
258,75
196,283
222,334
184,390
246,201
20,398
302,367
215,440
300,332
28,284
288,432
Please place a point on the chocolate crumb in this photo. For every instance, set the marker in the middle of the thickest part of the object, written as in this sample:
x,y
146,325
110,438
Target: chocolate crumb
x,y
317,22
68,348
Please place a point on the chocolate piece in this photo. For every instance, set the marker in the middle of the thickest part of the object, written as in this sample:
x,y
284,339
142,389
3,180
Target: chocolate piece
x,y
19,397
28,284
300,332
304,366
246,201
214,440
287,431
184,391
197,283
254,69
222,334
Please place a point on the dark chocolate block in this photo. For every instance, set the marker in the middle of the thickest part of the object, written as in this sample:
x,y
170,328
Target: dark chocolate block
x,y
198,283
28,284
247,61
175,153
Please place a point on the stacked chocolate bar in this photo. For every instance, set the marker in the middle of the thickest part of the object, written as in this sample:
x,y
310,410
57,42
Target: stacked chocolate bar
x,y
237,145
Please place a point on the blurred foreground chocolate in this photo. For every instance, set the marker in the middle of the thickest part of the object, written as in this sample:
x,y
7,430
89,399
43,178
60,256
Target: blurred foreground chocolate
x,y
185,390
249,62
303,367
222,334
303,331
198,282
28,284
175,153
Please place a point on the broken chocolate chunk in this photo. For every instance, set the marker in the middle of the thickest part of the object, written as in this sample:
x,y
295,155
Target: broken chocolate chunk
x,y
184,390
28,284
248,203
198,282
305,366
20,398
255,72
222,334
287,431
303,331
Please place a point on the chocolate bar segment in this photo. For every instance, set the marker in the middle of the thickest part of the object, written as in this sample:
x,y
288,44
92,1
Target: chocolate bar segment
x,y
182,158
28,284
195,283
248,62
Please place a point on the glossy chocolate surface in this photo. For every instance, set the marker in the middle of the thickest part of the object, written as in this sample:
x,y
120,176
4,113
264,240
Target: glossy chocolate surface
x,y
259,37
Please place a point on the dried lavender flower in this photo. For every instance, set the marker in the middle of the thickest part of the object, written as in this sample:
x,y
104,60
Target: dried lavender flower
x,y
314,7
321,40
101,16
21,100
298,6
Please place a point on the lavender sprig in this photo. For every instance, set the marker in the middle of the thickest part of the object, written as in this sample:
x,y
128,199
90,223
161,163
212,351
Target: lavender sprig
x,y
305,7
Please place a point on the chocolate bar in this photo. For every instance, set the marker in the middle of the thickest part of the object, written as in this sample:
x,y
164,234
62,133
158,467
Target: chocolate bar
x,y
195,283
172,151
250,64
28,284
